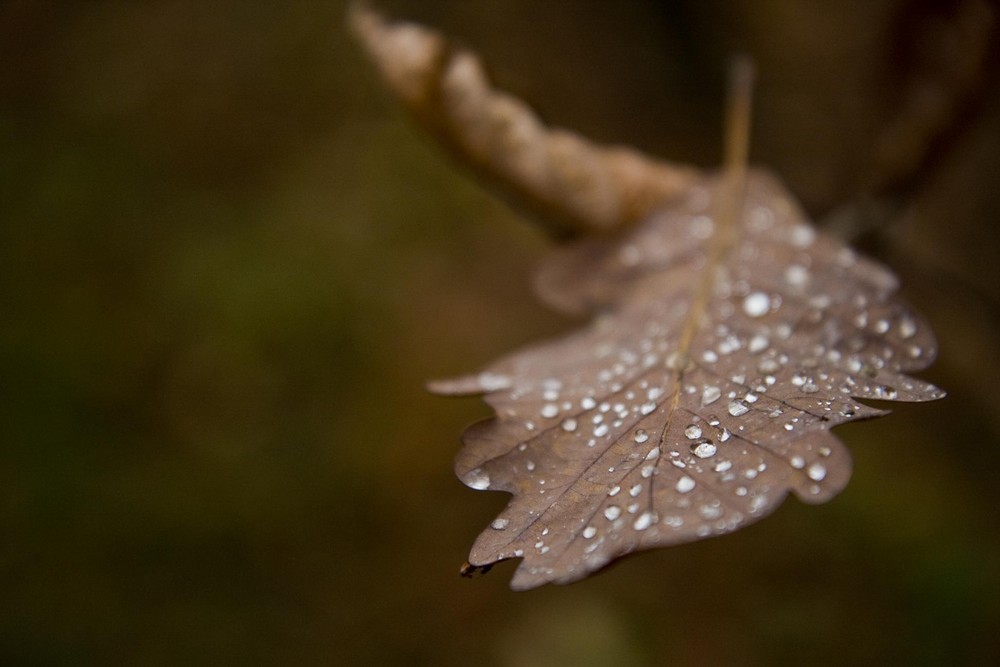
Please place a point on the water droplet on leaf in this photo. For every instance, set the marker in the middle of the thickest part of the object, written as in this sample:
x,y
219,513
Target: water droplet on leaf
x,y
704,450
685,484
737,408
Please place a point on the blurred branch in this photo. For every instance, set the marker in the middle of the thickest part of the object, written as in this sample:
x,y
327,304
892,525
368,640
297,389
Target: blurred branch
x,y
949,53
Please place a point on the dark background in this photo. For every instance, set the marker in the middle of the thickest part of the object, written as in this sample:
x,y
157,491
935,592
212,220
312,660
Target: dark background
x,y
228,263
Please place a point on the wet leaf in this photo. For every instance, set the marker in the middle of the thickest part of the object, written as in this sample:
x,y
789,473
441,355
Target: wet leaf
x,y
728,336
702,393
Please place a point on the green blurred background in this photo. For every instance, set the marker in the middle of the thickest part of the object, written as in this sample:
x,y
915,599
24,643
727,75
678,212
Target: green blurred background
x,y
228,263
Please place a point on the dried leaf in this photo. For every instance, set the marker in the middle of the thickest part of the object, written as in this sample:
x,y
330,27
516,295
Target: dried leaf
x,y
571,184
729,337
702,394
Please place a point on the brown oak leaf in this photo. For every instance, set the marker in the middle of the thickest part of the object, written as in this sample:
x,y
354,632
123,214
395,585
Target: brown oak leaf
x,y
700,396
728,337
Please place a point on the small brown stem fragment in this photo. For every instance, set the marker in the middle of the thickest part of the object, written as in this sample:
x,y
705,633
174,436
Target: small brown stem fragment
x,y
572,185
741,82
737,150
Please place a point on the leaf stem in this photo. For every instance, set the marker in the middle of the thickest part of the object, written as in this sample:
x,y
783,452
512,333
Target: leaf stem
x,y
738,111
728,210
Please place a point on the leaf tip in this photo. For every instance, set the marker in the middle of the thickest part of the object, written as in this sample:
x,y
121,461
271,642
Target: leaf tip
x,y
468,570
